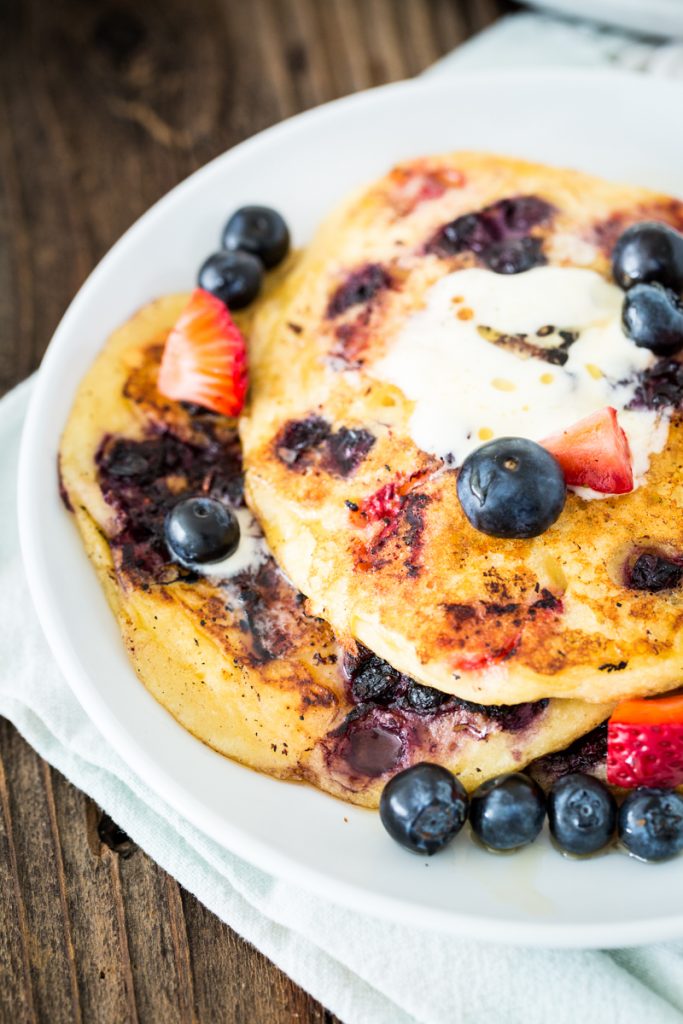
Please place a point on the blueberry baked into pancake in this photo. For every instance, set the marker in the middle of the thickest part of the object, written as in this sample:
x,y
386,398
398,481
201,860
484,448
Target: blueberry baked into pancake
x,y
213,628
464,438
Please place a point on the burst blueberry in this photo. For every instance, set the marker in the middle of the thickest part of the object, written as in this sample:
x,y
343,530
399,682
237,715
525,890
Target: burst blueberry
x,y
423,807
511,487
582,814
258,230
507,812
515,256
650,824
201,531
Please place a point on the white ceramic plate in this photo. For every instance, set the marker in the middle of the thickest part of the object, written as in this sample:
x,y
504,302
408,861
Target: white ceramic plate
x,y
651,17
613,124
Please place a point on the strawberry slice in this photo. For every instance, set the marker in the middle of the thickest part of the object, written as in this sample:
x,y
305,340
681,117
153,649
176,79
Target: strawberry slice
x,y
594,453
645,743
205,358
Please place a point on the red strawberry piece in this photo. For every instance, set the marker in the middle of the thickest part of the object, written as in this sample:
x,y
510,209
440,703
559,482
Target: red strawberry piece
x,y
645,743
594,453
205,358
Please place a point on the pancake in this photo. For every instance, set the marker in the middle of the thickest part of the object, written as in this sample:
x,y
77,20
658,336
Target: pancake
x,y
238,660
366,521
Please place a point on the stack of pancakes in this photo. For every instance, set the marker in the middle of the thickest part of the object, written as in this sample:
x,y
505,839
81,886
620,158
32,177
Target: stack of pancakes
x,y
383,629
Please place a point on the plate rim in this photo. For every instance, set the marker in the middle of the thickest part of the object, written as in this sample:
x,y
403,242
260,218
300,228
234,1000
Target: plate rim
x,y
230,835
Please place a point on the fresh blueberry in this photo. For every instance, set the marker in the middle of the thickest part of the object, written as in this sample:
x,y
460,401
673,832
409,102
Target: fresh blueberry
x,y
260,231
511,487
651,824
582,814
507,812
647,252
653,318
423,807
233,277
201,530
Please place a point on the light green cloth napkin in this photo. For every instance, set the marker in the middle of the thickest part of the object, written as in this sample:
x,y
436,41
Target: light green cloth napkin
x,y
366,971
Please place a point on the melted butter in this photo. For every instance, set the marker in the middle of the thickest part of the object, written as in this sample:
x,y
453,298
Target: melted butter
x,y
451,368
252,551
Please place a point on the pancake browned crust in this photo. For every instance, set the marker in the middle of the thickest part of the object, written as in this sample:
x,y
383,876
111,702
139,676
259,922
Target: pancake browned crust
x,y
240,663
369,526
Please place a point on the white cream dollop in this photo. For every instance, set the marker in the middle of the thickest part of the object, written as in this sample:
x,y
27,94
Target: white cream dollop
x,y
252,551
468,389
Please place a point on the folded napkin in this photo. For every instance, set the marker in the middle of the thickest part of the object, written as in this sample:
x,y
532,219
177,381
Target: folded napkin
x,y
365,970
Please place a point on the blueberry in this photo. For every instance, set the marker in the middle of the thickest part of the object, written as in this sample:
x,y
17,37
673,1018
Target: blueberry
x,y
201,530
233,277
374,682
507,812
652,317
651,824
424,699
423,807
653,572
515,256
647,252
259,231
582,814
511,487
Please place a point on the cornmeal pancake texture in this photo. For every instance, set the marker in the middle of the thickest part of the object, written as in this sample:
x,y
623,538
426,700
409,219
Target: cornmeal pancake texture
x,y
239,661
368,525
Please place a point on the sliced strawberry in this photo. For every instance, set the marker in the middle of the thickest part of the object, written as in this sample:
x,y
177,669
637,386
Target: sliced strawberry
x,y
645,743
594,453
205,358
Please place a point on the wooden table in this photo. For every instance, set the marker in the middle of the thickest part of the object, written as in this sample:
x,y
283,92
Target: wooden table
x,y
103,108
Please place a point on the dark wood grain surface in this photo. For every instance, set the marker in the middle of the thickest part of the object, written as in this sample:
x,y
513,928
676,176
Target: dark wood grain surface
x,y
104,106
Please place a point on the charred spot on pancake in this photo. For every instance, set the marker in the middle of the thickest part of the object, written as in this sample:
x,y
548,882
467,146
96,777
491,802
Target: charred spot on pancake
x,y
546,602
414,515
486,633
654,572
359,288
659,386
499,234
143,479
586,754
460,613
311,442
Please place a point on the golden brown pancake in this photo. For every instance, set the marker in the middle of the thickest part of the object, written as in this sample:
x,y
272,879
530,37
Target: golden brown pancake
x,y
368,525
